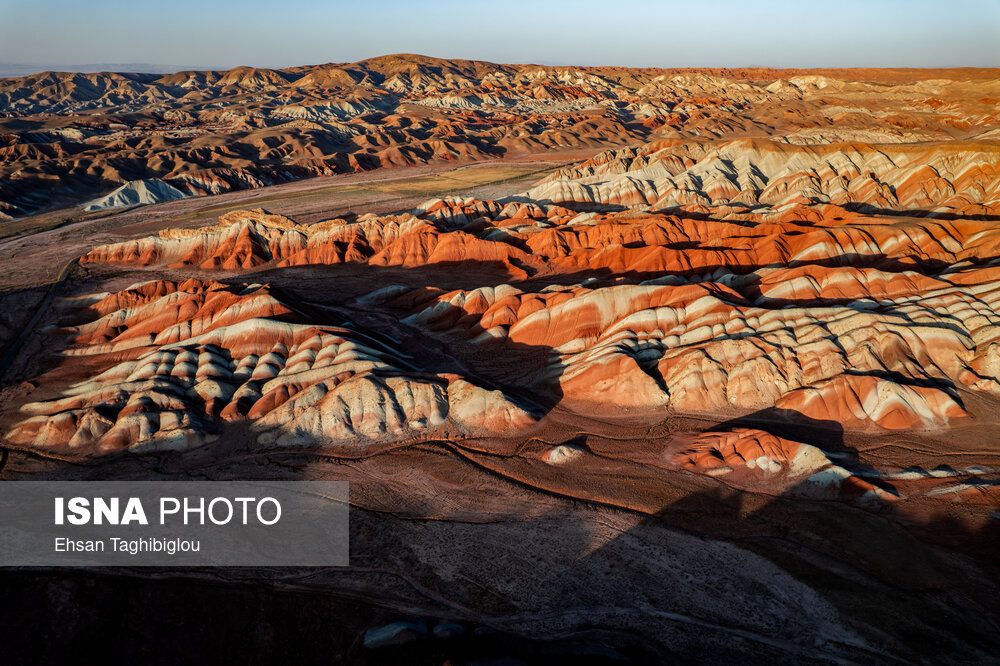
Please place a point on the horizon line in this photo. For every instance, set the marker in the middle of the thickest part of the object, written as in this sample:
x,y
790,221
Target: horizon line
x,y
170,68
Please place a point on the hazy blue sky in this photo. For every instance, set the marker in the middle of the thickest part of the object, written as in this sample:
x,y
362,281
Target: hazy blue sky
x,y
273,33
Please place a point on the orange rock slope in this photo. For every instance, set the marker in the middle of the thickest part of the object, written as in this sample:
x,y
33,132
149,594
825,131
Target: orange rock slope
x,y
839,308
181,354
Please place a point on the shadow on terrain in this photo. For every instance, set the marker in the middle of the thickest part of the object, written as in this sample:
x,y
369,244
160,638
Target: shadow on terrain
x,y
868,209
16,307
942,527
515,371
894,579
311,284
892,587
878,568
356,278
854,207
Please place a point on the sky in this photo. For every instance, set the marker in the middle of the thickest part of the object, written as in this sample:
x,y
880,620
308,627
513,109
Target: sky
x,y
709,33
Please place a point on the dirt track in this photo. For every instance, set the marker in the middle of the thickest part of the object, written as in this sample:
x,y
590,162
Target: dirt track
x,y
48,240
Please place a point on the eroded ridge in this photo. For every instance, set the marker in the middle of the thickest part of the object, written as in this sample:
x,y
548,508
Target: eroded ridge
x,y
873,318
179,357
953,178
775,293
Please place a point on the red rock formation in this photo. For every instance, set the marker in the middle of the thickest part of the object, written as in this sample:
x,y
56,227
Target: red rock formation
x,y
873,320
179,356
846,284
759,460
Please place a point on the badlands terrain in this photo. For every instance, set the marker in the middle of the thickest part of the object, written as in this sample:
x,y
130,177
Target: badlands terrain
x,y
67,138
624,366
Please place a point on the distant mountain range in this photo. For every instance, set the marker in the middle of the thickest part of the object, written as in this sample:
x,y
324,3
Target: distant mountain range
x,y
18,69
70,137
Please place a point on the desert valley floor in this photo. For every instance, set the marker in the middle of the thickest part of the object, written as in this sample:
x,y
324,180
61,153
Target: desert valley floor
x,y
623,366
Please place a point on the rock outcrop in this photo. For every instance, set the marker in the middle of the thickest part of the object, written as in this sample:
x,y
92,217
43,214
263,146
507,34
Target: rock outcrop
x,y
873,319
181,356
136,193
